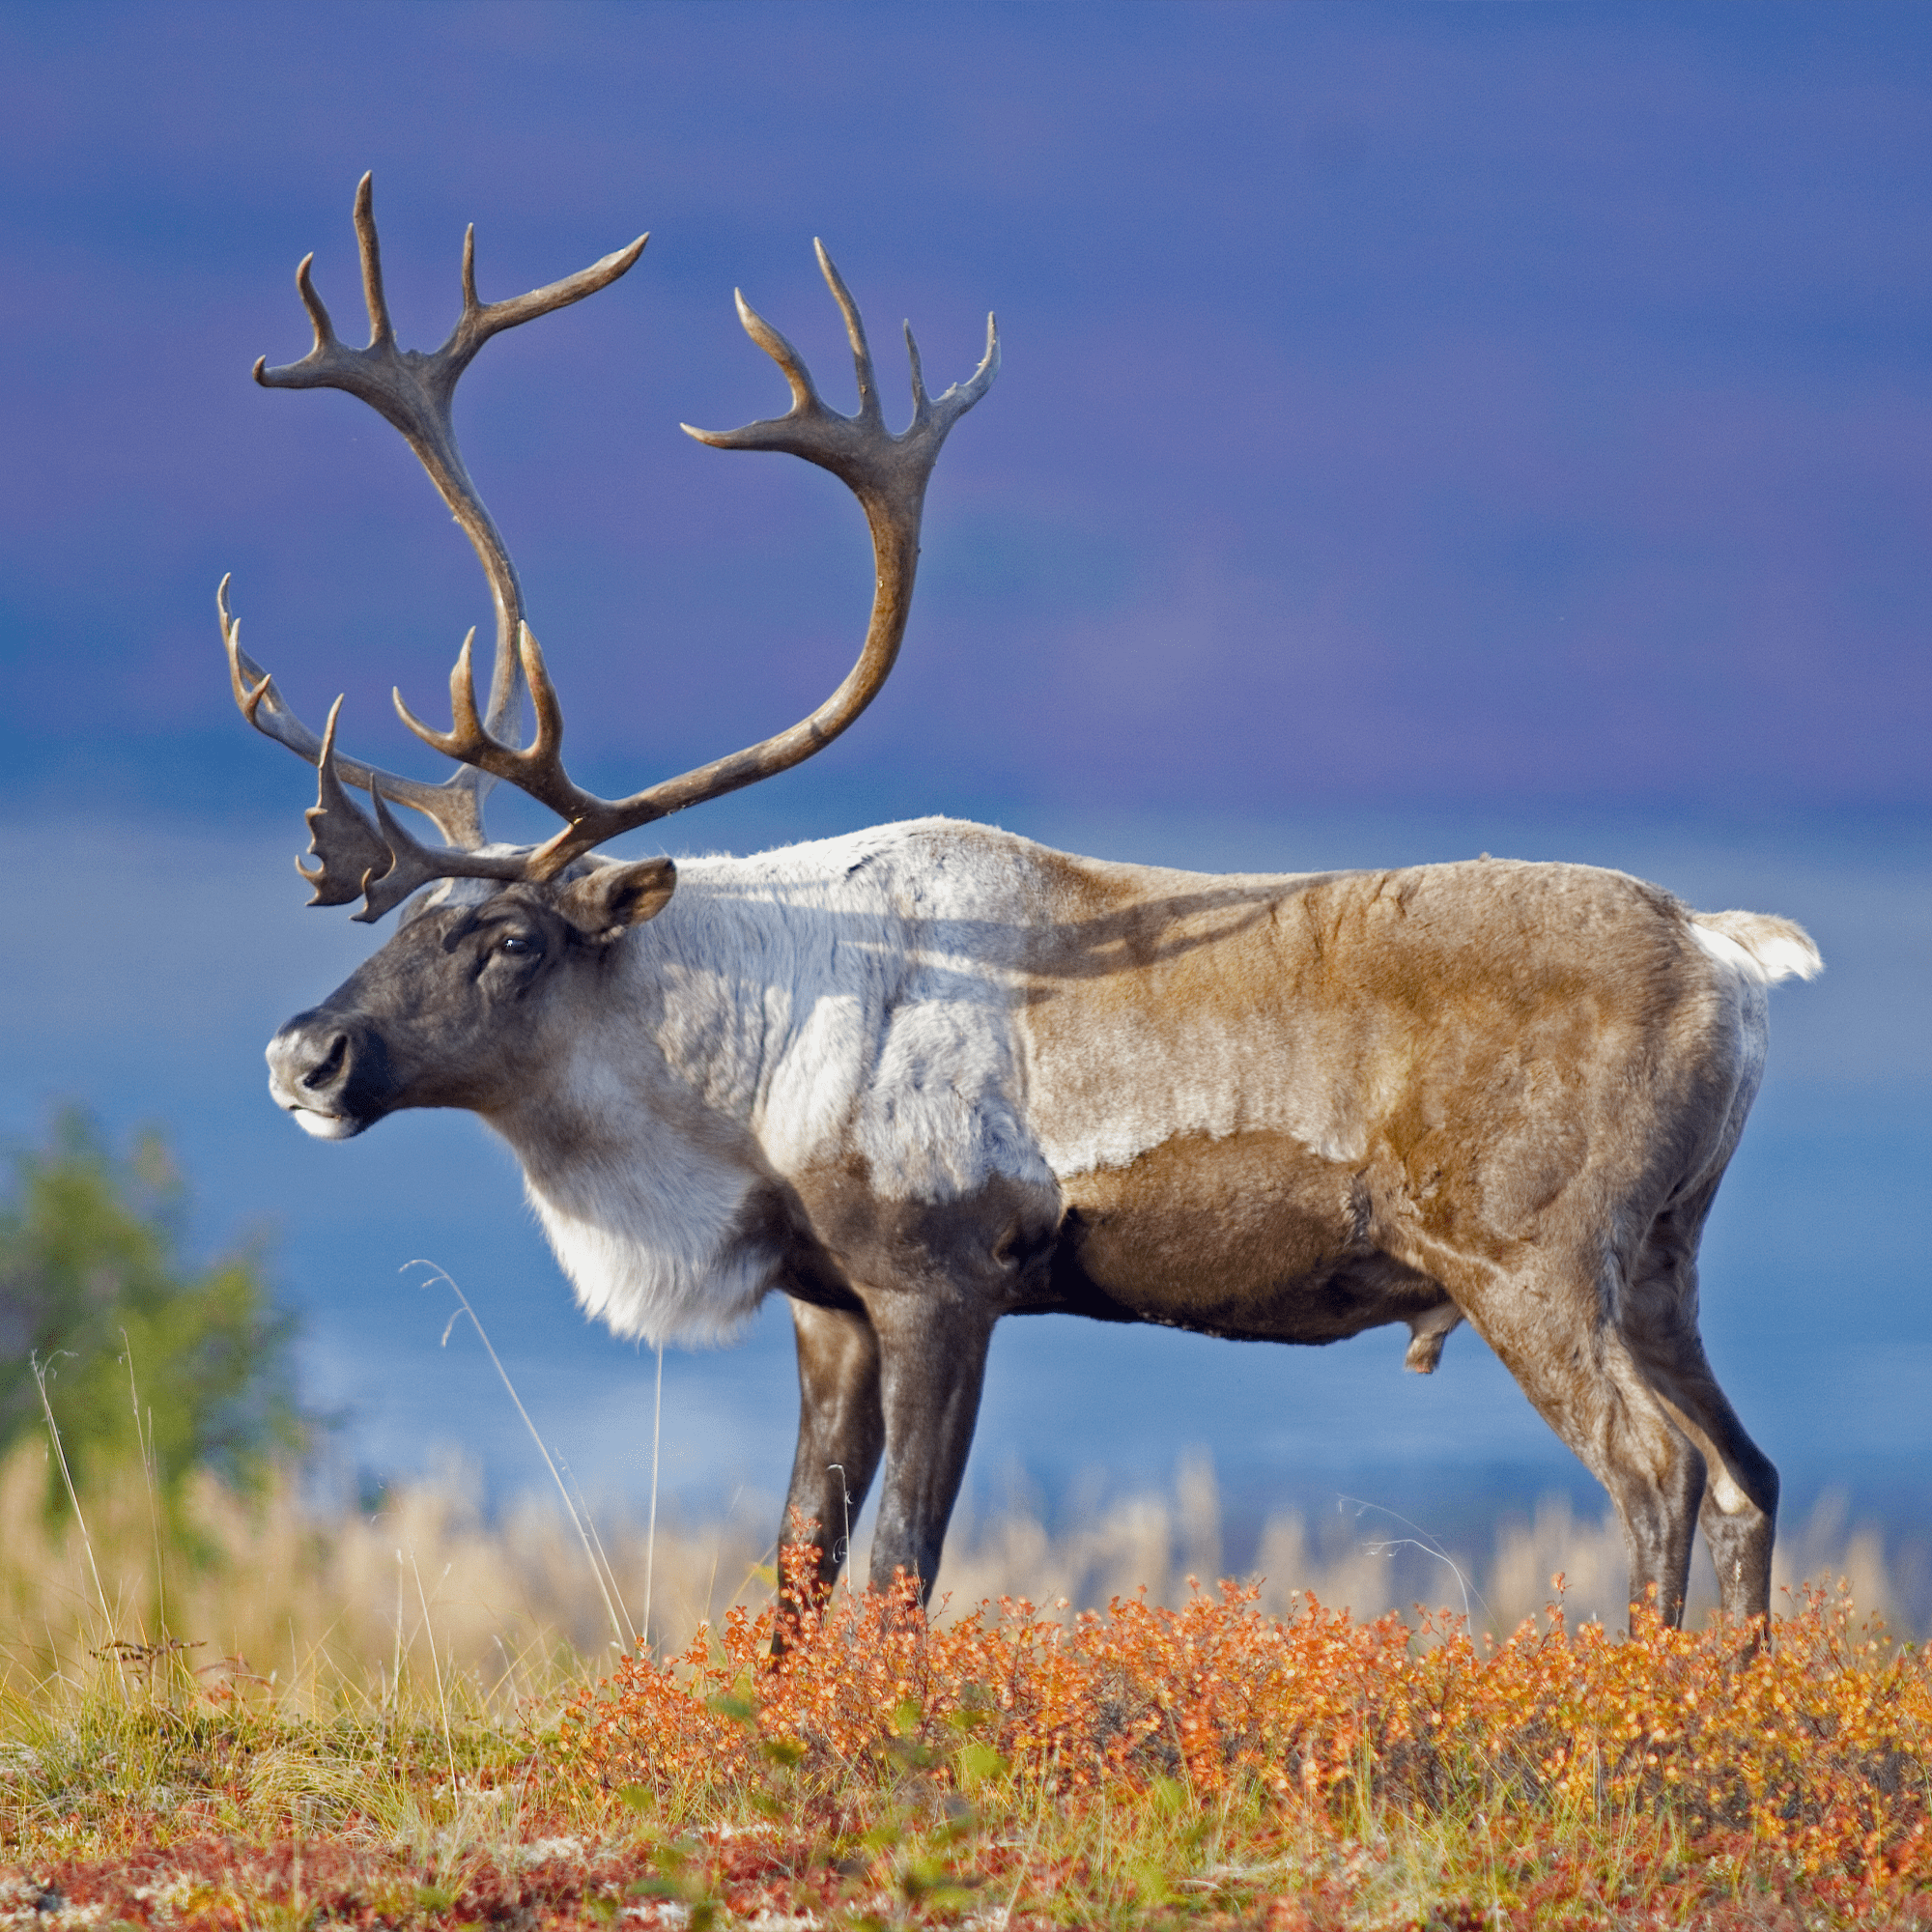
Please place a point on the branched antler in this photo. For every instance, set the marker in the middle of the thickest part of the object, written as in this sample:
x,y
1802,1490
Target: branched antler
x,y
415,392
888,473
378,860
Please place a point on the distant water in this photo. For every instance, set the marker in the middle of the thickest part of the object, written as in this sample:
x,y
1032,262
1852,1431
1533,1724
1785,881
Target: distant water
x,y
158,960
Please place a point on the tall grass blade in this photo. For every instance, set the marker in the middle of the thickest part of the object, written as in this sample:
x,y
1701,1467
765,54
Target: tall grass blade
x,y
41,1369
435,1666
606,1585
609,1569
651,1533
1421,1539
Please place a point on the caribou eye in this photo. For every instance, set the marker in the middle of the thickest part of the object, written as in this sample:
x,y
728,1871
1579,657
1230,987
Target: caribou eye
x,y
521,944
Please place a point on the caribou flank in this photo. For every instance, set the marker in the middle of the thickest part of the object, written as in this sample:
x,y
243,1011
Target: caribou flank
x,y
927,1075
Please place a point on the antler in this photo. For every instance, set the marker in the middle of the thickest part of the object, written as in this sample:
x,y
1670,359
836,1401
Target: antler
x,y
888,474
414,391
381,862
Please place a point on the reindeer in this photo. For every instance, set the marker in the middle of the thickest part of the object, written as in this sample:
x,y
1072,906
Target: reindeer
x,y
919,1077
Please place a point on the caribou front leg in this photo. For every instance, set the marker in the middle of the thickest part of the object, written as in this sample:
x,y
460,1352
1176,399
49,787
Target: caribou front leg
x,y
933,1361
841,1432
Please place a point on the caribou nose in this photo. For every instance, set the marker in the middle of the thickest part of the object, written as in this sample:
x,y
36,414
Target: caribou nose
x,y
332,1075
323,1076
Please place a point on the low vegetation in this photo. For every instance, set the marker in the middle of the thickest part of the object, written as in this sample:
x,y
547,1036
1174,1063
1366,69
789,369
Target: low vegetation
x,y
1214,1760
1318,1769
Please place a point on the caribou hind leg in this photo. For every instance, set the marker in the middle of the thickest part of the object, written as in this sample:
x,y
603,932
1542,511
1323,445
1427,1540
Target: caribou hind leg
x,y
1551,1327
1740,1505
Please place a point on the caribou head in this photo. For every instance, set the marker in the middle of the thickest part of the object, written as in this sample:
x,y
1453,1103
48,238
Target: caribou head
x,y
451,1013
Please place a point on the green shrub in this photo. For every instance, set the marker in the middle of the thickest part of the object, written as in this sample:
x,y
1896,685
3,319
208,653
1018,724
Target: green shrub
x,y
94,1290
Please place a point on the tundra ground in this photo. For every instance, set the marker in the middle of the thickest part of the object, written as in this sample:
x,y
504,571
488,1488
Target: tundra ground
x,y
1230,1758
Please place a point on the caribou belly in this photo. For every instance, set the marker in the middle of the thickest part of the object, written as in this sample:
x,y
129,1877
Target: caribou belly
x,y
1250,1234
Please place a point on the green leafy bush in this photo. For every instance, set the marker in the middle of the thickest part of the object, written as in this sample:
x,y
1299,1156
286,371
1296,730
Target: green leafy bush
x,y
94,1290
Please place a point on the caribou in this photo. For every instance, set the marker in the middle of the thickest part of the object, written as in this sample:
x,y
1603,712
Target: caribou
x,y
924,1076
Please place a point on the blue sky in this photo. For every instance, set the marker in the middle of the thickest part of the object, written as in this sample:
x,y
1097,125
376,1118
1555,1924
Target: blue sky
x,y
1423,429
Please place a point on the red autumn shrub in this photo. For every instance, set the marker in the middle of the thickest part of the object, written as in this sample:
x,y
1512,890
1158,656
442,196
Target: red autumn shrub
x,y
1815,1746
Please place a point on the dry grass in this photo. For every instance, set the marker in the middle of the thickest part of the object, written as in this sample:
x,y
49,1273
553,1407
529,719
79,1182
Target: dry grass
x,y
324,1606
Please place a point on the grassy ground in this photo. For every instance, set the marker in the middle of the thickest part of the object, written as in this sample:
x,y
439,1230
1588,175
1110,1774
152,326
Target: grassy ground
x,y
411,1757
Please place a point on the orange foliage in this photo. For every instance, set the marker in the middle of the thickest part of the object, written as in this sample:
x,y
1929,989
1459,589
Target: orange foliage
x,y
1813,1749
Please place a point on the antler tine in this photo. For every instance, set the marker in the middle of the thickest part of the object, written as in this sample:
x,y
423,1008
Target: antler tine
x,y
466,733
855,333
370,249
351,851
921,403
451,806
537,769
805,398
317,312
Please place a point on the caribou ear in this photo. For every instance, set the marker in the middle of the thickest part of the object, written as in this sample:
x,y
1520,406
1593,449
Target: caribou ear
x,y
609,899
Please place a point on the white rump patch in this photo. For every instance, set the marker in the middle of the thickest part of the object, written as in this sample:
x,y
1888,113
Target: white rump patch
x,y
1758,945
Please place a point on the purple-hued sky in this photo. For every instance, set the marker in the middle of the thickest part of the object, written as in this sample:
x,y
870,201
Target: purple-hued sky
x,y
1413,403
